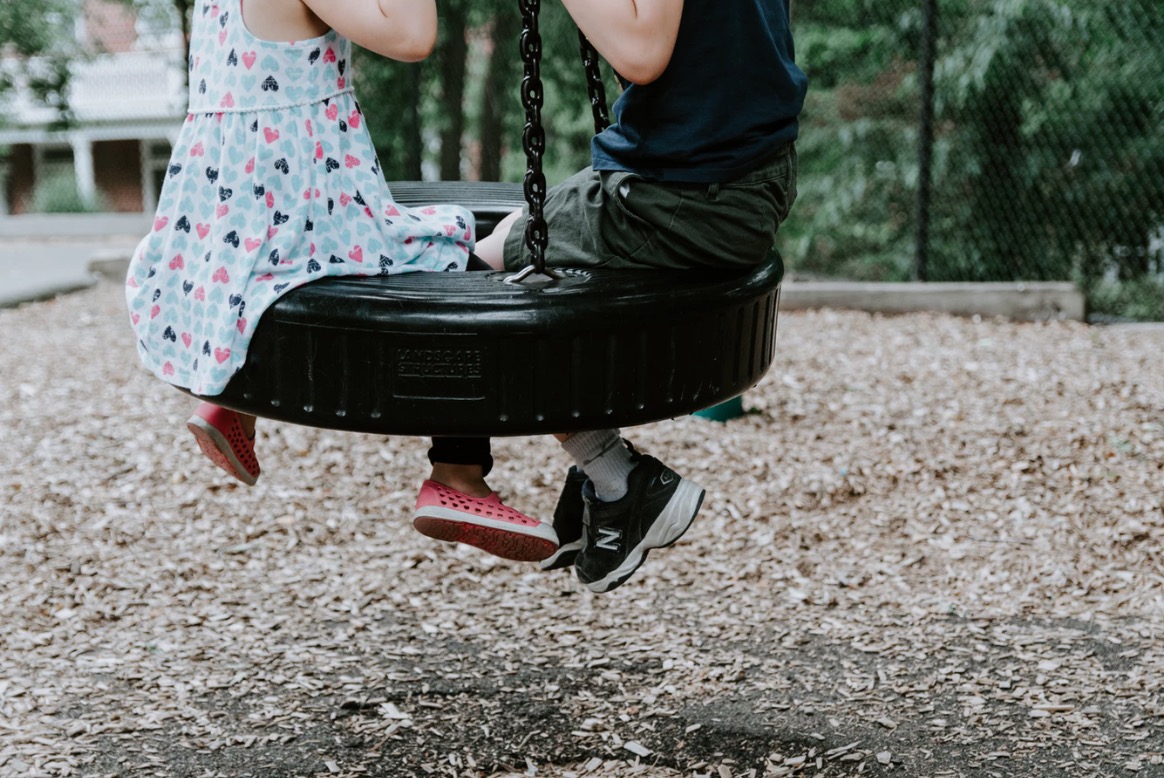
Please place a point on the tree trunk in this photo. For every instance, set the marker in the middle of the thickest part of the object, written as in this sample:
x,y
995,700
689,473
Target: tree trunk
x,y
411,125
499,90
454,52
183,8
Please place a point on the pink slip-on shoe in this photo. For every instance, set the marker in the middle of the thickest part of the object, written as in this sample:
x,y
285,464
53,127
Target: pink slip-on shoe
x,y
485,522
220,435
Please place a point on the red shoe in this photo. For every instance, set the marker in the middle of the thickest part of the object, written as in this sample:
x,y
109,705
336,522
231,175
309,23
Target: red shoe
x,y
220,434
484,522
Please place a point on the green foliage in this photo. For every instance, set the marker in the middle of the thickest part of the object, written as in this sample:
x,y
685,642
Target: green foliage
x,y
845,54
57,192
31,27
1055,121
1048,162
858,170
42,29
1140,299
391,99
403,100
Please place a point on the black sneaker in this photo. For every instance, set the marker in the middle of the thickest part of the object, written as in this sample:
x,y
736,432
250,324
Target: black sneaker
x,y
568,522
657,509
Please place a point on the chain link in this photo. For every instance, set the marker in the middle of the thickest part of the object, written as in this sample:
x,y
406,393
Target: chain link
x,y
594,83
534,136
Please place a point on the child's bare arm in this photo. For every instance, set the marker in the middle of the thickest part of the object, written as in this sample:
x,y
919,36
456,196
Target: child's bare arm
x,y
636,37
403,30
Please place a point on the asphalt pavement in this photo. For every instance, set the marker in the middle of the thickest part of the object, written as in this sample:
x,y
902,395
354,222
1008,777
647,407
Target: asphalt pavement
x,y
38,268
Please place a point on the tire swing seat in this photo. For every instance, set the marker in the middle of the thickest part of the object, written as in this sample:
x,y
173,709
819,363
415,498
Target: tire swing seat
x,y
490,354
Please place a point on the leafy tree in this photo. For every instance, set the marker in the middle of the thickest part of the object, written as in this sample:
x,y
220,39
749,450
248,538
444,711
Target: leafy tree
x,y
468,95
1056,169
39,34
858,168
1048,163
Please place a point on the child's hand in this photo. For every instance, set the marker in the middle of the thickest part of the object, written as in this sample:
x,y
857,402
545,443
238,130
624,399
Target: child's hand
x,y
403,30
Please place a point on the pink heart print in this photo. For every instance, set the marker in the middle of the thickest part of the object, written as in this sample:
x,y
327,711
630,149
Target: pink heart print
x,y
221,276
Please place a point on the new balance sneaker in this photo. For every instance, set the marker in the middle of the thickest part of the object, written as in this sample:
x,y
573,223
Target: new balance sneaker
x,y
568,522
444,513
657,509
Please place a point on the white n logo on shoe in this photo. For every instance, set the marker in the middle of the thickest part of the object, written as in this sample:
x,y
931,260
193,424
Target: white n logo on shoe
x,y
608,539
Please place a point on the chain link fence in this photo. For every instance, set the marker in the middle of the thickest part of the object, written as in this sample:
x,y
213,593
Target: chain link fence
x,y
961,140
942,140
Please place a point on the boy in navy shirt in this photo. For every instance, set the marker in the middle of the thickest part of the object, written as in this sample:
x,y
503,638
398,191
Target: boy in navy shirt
x,y
697,170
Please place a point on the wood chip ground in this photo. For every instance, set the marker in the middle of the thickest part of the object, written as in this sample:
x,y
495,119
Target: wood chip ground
x,y
933,547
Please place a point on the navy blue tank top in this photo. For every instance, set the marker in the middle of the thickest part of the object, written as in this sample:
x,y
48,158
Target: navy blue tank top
x,y
728,100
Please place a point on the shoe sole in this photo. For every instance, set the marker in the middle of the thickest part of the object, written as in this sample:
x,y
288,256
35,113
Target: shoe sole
x,y
673,522
563,557
493,537
218,450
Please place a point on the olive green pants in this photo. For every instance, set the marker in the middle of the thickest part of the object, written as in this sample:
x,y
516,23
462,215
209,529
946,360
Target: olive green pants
x,y
620,220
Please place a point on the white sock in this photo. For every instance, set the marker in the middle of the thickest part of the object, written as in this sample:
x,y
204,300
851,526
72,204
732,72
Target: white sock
x,y
604,458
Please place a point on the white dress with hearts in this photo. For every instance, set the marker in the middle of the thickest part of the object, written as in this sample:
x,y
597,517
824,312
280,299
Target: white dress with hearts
x,y
273,183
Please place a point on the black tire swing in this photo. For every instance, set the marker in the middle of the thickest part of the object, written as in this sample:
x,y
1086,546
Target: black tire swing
x,y
499,354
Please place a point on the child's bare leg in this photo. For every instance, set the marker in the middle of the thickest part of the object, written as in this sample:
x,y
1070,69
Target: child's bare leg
x,y
456,504
467,479
491,249
248,423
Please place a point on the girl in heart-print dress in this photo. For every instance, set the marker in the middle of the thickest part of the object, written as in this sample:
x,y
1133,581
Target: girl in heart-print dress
x,y
274,183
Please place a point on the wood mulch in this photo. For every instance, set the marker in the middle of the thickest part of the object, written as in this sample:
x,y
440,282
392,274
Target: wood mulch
x,y
933,547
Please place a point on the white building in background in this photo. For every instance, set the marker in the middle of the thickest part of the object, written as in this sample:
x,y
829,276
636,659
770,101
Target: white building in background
x,y
127,102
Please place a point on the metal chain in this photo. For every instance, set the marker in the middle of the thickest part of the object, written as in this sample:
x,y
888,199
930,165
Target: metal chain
x,y
594,83
533,138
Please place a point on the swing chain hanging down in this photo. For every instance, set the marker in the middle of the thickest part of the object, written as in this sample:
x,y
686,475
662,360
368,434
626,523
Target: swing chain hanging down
x,y
534,142
594,83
